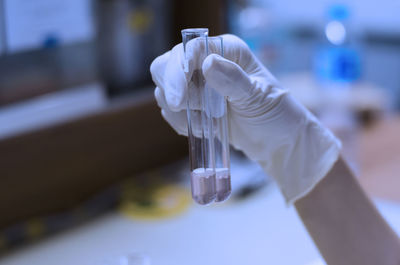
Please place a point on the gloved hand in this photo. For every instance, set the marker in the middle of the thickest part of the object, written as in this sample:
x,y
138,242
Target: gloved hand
x,y
265,121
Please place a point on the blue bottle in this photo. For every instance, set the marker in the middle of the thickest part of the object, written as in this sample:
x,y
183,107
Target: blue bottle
x,y
337,60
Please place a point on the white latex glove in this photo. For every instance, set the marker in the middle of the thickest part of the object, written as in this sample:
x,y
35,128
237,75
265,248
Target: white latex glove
x,y
265,121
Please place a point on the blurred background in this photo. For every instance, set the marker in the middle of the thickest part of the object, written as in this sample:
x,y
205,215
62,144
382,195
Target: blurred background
x,y
91,174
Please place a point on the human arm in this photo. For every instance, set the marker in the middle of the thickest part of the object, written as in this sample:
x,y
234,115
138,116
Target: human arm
x,y
344,224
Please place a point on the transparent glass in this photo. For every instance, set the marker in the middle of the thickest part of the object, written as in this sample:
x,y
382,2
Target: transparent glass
x,y
219,116
207,122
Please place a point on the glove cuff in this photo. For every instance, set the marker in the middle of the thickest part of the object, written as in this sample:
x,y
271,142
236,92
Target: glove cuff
x,y
300,164
326,162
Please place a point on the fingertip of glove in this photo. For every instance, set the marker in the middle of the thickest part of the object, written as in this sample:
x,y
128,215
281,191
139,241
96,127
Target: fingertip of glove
x,y
212,63
226,77
215,65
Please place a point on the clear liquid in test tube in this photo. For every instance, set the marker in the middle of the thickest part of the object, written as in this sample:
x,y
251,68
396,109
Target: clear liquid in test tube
x,y
207,122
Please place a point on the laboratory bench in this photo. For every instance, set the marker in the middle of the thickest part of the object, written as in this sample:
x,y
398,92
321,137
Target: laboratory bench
x,y
258,230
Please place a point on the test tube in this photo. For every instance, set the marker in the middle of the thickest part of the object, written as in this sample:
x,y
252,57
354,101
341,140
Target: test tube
x,y
200,135
219,116
207,122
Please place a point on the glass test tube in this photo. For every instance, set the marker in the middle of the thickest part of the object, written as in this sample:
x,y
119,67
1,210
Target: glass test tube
x,y
218,109
200,135
207,122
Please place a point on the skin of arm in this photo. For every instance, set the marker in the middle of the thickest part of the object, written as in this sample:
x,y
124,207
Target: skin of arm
x,y
344,224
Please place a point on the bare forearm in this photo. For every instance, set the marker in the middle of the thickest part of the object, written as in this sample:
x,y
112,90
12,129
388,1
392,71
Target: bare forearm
x,y
345,225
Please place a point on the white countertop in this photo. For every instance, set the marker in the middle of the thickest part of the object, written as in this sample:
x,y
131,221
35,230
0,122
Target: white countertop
x,y
258,230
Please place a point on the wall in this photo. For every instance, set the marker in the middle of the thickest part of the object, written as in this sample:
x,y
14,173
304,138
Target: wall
x,y
380,15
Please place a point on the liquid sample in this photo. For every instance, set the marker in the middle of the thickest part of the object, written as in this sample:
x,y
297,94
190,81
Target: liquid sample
x,y
203,185
223,184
